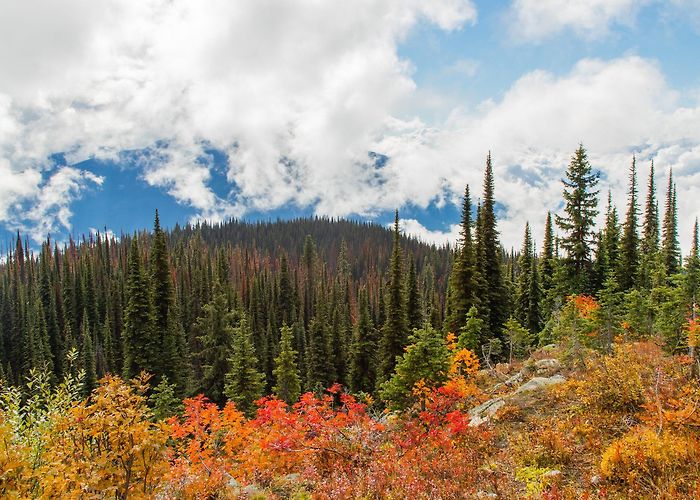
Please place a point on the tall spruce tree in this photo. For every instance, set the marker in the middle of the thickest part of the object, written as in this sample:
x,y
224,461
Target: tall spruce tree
x,y
287,381
609,254
670,247
139,349
629,244
489,258
692,269
164,329
522,298
581,200
546,267
363,363
414,313
395,330
244,384
650,235
462,288
215,329
88,357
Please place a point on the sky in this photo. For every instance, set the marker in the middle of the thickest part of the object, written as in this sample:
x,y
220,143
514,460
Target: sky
x,y
265,109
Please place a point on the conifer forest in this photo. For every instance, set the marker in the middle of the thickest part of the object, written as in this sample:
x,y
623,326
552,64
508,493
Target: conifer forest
x,y
328,358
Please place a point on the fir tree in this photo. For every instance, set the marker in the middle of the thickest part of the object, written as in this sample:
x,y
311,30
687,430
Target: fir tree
x,y
692,269
534,316
363,354
546,267
414,313
463,282
139,348
522,298
244,383
577,224
650,237
629,244
670,247
215,328
472,333
163,400
287,380
609,254
88,357
489,258
395,330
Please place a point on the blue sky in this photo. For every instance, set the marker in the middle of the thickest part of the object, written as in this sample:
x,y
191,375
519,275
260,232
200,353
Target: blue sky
x,y
257,110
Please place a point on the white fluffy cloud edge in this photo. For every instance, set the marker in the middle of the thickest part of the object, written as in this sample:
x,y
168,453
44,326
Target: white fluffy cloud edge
x,y
296,94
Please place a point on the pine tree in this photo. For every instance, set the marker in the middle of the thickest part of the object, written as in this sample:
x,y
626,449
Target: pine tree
x,y
88,357
534,316
692,269
463,282
670,247
522,298
319,365
395,330
472,333
363,370
164,330
629,244
580,211
609,263
288,382
494,299
164,401
546,267
215,328
244,383
139,348
650,238
414,313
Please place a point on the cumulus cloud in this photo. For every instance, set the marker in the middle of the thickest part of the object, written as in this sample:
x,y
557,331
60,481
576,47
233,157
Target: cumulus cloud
x,y
291,91
539,19
412,227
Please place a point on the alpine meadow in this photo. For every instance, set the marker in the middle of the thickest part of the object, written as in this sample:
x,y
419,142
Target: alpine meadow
x,y
387,249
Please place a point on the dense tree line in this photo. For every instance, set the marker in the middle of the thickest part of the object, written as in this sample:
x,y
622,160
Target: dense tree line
x,y
237,310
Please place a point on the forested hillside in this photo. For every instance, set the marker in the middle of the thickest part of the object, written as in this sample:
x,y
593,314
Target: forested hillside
x,y
363,340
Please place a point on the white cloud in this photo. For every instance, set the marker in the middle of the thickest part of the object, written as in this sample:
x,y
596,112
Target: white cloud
x,y
539,19
616,108
411,227
292,91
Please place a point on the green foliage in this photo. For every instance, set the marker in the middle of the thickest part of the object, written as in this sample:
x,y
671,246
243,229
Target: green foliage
x,y
363,363
427,359
288,382
518,338
163,400
244,383
580,199
471,334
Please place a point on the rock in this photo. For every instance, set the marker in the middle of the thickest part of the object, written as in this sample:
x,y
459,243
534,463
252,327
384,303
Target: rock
x,y
547,367
485,411
552,474
549,347
484,494
291,478
596,480
232,483
538,383
251,490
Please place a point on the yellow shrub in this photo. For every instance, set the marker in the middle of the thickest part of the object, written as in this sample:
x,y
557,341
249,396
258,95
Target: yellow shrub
x,y
644,460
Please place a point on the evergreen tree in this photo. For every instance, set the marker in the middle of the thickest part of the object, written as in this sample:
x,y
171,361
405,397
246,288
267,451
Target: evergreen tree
x,y
363,354
427,359
215,328
163,400
546,267
244,383
164,330
139,348
581,201
395,330
489,258
692,269
650,237
414,313
462,287
609,254
472,333
629,244
88,357
288,382
670,247
534,316
522,298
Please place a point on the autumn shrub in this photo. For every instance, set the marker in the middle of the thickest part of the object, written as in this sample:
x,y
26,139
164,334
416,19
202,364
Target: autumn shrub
x,y
619,383
647,462
105,446
543,444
